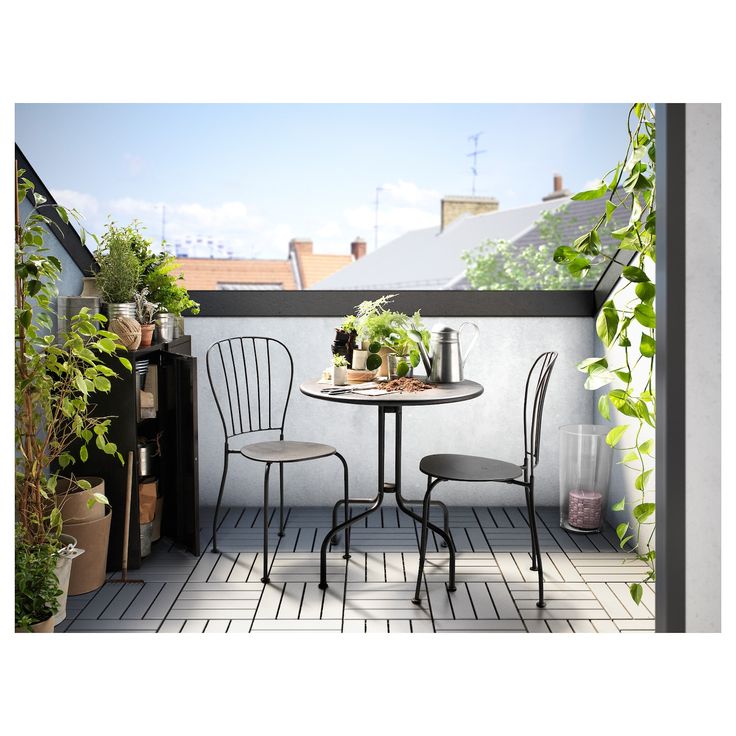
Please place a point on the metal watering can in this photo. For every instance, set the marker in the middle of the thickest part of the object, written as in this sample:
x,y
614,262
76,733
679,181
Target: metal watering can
x,y
447,360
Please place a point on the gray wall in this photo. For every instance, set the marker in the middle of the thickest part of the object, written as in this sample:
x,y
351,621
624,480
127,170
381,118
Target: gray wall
x,y
489,425
703,368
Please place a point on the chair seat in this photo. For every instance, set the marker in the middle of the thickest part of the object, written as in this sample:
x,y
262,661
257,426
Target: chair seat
x,y
284,451
468,468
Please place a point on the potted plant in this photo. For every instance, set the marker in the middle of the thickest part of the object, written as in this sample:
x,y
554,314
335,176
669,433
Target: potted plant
x,y
402,342
54,387
36,586
339,370
118,270
145,313
173,298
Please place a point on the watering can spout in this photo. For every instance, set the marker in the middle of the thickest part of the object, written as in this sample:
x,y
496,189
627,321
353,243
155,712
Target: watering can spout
x,y
425,358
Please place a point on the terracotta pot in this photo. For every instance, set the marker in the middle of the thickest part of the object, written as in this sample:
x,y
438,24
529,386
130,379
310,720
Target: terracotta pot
x,y
73,501
88,572
146,335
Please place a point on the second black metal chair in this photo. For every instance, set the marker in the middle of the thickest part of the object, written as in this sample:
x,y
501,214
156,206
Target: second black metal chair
x,y
472,469
249,401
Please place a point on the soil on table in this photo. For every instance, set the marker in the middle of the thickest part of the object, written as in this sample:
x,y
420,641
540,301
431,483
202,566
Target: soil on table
x,y
409,385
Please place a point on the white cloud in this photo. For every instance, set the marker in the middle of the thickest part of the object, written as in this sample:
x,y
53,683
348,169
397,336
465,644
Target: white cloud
x,y
134,164
85,204
409,193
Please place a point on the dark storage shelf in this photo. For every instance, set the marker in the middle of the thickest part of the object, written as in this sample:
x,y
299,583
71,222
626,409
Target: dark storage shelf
x,y
177,466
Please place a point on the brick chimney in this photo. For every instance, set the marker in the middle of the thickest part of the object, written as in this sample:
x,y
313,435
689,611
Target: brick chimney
x,y
558,192
358,248
454,207
300,246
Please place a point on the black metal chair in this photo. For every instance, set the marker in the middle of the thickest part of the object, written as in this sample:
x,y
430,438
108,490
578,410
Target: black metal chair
x,y
246,400
469,468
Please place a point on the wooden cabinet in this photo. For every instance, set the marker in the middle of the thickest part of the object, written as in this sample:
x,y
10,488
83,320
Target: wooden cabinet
x,y
172,430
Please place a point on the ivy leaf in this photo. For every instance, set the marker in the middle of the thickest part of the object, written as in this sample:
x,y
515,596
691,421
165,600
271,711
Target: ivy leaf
x,y
647,346
621,529
629,457
610,209
646,447
564,254
646,291
636,592
615,435
632,273
645,315
603,408
619,506
591,193
125,363
640,483
606,324
598,376
584,365
83,454
643,511
624,376
579,266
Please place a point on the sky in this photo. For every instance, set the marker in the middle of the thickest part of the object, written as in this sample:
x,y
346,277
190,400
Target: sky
x,y
253,176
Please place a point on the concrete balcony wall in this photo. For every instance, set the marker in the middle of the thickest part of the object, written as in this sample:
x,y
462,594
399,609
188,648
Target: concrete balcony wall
x,y
489,425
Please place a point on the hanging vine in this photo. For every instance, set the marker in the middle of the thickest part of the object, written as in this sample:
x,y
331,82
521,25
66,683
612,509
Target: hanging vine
x,y
631,185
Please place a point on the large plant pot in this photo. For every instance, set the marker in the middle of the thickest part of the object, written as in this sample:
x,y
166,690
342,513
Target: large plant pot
x,y
74,500
64,564
383,368
42,627
88,572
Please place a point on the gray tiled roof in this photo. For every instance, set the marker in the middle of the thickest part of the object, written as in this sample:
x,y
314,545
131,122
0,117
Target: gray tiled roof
x,y
432,259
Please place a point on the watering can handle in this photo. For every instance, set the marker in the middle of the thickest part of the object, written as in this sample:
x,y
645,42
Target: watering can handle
x,y
464,355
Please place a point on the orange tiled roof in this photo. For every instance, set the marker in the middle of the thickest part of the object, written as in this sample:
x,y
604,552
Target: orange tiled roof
x,y
315,267
204,274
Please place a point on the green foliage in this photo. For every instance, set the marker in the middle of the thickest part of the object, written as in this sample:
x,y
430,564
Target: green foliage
x,y
55,381
631,187
145,311
36,584
498,265
119,266
339,361
166,290
386,328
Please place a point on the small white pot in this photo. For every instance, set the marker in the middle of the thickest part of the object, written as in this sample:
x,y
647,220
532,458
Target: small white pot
x,y
359,359
340,375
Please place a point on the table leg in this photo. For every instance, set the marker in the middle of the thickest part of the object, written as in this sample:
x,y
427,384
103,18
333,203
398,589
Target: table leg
x,y
376,503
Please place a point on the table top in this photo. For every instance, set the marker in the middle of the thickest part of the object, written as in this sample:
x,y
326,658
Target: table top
x,y
440,393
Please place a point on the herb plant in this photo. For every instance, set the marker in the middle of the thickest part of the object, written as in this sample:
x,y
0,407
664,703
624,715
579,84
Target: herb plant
x,y
36,584
119,267
165,289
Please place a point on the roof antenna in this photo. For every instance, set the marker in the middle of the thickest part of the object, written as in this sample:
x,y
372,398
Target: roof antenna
x,y
163,227
475,153
375,227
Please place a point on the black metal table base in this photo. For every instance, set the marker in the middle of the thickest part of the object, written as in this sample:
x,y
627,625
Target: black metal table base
x,y
376,503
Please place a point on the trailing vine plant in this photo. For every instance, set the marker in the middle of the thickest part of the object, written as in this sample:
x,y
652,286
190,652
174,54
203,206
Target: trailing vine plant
x,y
629,187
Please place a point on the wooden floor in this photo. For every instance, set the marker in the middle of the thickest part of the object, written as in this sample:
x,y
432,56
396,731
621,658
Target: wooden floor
x,y
586,578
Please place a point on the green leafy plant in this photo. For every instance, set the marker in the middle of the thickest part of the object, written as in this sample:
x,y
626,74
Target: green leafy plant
x,y
119,267
166,290
36,584
55,381
630,187
339,361
348,324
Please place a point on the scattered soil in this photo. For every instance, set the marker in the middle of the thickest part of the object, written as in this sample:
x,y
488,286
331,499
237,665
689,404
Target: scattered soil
x,y
410,385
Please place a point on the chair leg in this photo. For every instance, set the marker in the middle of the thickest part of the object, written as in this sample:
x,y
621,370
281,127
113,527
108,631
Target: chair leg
x,y
423,544
265,578
535,536
535,551
446,517
346,501
281,499
219,501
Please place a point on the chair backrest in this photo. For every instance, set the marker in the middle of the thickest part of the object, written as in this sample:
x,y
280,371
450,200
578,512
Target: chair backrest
x,y
535,392
240,371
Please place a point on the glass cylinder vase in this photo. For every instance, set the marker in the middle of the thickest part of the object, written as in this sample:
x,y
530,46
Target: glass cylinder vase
x,y
585,471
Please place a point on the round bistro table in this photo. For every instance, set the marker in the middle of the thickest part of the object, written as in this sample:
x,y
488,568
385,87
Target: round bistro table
x,y
390,403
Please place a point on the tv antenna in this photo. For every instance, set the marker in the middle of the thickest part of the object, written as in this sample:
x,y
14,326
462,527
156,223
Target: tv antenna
x,y
375,226
475,153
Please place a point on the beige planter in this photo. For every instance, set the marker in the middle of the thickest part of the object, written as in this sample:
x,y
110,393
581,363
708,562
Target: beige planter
x,y
73,502
88,572
383,369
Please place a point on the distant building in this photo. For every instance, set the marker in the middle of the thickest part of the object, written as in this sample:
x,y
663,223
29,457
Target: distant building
x,y
301,270
431,258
